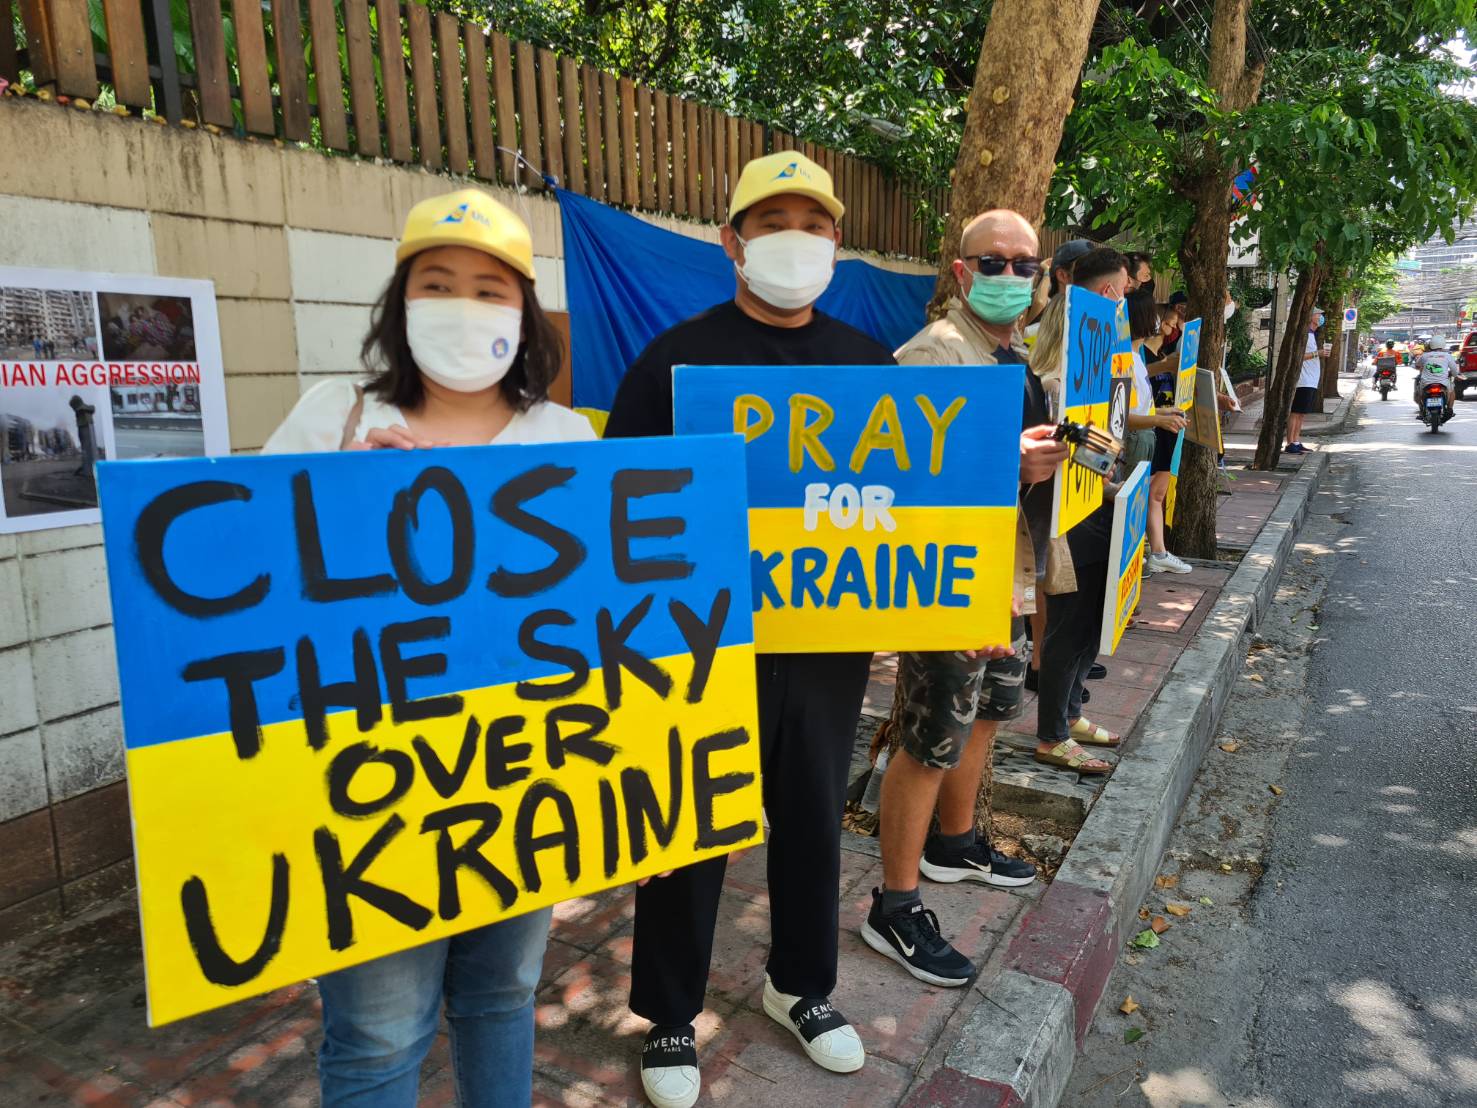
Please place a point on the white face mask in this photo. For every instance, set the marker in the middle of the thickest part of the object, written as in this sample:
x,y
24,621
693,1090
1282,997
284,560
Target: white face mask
x,y
462,344
788,269
1230,309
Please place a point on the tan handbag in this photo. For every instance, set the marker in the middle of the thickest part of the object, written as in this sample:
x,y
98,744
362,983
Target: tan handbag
x,y
1061,575
352,423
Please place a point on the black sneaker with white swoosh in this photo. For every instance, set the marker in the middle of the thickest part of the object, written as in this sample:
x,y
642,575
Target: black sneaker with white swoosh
x,y
974,863
911,939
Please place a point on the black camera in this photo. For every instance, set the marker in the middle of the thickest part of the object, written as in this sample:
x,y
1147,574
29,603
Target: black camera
x,y
1096,450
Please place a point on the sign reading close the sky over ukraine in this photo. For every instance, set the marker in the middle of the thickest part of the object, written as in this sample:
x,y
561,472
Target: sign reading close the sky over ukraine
x,y
1184,392
1126,556
1097,332
375,699
882,499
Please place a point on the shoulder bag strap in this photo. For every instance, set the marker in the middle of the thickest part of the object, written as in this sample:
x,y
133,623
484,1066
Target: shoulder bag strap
x,y
351,424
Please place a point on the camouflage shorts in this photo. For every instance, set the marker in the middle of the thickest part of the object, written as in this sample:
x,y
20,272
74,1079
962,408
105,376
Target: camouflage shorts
x,y
940,694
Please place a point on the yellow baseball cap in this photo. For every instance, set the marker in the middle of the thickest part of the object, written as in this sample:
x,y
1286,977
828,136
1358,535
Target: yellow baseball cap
x,y
471,218
782,172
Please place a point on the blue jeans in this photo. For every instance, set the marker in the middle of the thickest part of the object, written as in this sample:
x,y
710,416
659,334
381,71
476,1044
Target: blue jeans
x,y
380,1018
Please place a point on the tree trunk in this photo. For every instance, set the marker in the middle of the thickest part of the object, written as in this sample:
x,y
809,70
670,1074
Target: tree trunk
x,y
1203,254
1334,328
1022,94
1289,361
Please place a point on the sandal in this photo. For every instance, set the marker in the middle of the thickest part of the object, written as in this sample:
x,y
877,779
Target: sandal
x,y
1068,755
1084,730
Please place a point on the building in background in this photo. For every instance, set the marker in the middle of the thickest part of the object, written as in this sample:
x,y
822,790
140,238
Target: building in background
x,y
61,316
1437,279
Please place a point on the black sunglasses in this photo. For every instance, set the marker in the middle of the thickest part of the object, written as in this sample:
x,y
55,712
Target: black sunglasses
x,y
992,265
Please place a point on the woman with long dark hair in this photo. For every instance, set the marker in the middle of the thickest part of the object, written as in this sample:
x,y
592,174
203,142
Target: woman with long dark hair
x,y
461,355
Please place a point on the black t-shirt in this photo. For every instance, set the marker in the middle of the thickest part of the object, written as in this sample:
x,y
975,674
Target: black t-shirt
x,y
726,336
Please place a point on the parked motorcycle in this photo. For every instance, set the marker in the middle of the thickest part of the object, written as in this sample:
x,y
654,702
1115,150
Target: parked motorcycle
x,y
1384,377
1435,409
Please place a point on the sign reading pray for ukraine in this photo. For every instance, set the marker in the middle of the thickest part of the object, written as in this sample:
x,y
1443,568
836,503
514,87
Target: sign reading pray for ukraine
x,y
1126,556
1184,392
375,699
882,499
1097,333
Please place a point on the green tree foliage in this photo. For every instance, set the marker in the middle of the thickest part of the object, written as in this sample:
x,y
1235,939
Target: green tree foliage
x,y
886,80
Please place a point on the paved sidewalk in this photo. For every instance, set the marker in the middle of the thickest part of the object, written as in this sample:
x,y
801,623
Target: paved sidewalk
x,y
72,1020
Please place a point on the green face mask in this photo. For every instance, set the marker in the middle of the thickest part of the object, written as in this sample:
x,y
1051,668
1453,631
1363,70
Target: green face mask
x,y
1001,298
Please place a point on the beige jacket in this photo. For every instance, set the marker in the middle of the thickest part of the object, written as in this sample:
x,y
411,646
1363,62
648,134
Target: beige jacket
x,y
958,339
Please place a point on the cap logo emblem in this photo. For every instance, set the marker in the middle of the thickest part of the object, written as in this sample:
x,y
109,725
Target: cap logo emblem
x,y
791,170
462,212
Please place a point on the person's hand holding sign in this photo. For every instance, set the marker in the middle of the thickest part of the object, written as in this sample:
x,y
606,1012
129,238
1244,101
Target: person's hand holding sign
x,y
1041,453
1170,419
393,438
995,653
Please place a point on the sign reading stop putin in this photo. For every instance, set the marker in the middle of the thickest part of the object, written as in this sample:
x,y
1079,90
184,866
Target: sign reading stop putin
x,y
1096,342
375,699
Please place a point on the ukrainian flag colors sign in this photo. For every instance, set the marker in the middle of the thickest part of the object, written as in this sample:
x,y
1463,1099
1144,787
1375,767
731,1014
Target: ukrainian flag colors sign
x,y
1097,337
1174,479
1184,391
1126,556
882,499
372,700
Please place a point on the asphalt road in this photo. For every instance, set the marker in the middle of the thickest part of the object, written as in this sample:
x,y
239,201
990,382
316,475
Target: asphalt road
x,y
155,442
1336,961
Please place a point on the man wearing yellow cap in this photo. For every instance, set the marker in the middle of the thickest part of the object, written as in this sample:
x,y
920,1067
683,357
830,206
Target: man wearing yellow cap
x,y
782,237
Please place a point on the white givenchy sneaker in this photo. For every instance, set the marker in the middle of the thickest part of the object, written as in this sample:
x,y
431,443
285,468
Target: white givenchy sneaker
x,y
827,1038
669,1072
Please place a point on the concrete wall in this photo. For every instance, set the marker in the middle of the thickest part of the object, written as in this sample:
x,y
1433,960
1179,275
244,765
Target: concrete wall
x,y
299,246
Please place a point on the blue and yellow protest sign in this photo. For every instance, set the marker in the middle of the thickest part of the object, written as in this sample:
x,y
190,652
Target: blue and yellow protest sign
x,y
375,699
1126,556
882,499
1097,330
1174,479
1184,391
1204,427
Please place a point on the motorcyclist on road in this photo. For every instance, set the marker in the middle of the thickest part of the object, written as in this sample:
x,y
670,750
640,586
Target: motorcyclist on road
x,y
1386,354
1437,367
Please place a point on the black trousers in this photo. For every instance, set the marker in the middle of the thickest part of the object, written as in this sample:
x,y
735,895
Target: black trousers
x,y
1074,630
808,709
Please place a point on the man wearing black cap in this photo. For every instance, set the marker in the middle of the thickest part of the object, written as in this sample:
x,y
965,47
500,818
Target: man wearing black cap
x,y
1063,260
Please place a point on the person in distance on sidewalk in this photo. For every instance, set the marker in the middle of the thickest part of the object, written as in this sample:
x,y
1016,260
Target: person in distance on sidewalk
x,y
947,706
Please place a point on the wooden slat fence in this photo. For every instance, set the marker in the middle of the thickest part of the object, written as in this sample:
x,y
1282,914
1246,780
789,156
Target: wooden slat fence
x,y
416,87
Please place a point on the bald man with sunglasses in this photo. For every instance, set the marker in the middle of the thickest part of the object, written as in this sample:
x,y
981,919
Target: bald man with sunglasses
x,y
947,706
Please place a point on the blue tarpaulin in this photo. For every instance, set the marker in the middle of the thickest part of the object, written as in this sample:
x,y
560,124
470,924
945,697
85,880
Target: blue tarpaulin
x,y
627,281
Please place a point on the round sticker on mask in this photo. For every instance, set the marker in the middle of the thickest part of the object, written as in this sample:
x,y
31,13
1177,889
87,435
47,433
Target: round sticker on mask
x,y
500,347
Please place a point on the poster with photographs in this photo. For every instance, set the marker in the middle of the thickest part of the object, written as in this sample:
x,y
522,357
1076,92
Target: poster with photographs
x,y
94,366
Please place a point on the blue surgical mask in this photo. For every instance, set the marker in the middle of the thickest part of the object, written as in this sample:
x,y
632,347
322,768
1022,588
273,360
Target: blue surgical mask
x,y
1001,298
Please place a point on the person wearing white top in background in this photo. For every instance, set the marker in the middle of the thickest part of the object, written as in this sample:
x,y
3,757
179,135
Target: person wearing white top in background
x,y
466,357
1305,399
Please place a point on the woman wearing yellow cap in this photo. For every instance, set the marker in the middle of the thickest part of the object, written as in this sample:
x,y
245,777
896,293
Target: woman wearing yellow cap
x,y
464,356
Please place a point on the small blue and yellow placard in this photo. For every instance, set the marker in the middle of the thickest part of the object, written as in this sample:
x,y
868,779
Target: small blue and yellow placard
x,y
375,699
1172,495
882,499
1126,556
1184,391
